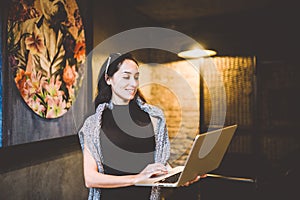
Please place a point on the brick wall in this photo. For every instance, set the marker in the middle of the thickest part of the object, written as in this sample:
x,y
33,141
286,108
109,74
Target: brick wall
x,y
174,87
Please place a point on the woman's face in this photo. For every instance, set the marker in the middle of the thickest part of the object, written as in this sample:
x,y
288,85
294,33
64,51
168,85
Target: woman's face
x,y
124,83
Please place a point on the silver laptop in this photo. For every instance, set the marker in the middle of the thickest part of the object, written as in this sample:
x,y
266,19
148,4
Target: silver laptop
x,y
206,154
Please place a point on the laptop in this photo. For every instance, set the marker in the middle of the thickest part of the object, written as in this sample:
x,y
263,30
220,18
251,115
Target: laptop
x,y
206,154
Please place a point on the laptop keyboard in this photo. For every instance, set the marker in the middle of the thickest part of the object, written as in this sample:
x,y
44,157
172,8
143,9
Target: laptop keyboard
x,y
171,179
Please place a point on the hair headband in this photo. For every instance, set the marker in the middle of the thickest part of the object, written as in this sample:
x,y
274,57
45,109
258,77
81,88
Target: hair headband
x,y
107,64
113,56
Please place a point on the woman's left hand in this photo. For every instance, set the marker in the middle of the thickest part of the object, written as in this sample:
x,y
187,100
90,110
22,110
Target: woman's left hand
x,y
194,180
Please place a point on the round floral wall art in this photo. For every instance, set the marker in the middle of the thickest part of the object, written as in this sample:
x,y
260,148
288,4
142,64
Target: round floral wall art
x,y
46,52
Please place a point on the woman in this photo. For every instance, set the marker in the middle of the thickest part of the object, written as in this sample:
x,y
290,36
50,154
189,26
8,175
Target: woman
x,y
126,140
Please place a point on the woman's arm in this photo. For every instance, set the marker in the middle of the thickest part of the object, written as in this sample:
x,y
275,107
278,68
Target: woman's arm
x,y
94,179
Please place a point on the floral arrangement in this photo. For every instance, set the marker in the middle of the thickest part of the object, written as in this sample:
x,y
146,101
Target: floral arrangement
x,y
48,64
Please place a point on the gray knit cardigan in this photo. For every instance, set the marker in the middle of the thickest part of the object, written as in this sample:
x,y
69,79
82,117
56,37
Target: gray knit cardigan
x,y
89,135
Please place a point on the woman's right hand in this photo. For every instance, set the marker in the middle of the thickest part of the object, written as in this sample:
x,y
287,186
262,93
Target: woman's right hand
x,y
151,170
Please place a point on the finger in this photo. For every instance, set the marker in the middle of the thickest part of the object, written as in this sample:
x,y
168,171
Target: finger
x,y
186,184
203,176
156,166
161,168
197,178
157,173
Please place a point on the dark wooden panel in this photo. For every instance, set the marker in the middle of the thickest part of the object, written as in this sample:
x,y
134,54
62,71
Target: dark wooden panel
x,y
279,85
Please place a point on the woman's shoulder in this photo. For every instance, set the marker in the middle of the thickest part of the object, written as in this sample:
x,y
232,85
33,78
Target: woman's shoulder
x,y
92,119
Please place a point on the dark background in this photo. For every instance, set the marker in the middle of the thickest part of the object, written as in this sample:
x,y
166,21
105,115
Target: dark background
x,y
267,29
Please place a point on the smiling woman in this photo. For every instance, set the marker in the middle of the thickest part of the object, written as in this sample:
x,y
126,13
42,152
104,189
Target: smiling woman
x,y
46,51
126,139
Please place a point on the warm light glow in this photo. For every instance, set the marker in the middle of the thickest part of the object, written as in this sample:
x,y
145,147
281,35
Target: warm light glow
x,y
196,53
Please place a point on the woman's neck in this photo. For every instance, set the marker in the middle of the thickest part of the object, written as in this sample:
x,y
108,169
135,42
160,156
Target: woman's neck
x,y
119,102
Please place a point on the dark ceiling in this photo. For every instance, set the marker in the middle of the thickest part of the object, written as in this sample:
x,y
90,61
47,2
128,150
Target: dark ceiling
x,y
178,10
264,28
